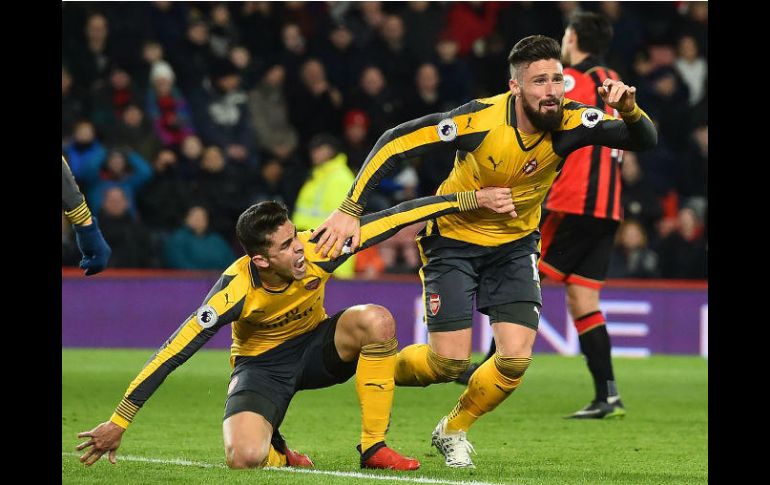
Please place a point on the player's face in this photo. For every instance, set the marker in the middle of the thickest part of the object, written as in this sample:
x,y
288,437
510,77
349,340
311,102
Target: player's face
x,y
569,37
286,253
541,93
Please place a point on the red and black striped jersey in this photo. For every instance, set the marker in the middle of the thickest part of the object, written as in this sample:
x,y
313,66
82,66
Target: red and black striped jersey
x,y
589,183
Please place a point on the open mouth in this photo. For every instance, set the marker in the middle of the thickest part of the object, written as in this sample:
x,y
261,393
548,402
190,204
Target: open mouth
x,y
300,263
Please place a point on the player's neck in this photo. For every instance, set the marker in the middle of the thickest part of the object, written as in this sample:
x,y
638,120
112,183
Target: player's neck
x,y
273,281
577,57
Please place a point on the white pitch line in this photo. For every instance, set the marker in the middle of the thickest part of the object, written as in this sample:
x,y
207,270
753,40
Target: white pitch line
x,y
202,464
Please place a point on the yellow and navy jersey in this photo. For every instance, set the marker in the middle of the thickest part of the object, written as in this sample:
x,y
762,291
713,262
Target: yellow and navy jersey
x,y
263,318
492,151
72,200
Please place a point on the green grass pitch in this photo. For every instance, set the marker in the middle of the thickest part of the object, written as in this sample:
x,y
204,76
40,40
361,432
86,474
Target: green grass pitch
x,y
663,439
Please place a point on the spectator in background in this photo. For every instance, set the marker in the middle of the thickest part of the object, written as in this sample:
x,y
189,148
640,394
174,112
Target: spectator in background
x,y
223,33
194,58
357,142
425,96
324,190
129,238
293,55
423,22
639,200
169,23
683,251
122,168
375,98
84,153
270,113
167,108
342,58
220,188
73,104
134,130
152,52
391,54
692,67
631,256
92,63
455,74
693,169
668,100
163,200
364,19
624,46
111,100
317,105
467,22
248,70
276,183
222,115
193,246
260,30
190,157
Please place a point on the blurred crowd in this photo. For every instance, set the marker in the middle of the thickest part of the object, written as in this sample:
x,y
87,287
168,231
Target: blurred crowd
x,y
176,116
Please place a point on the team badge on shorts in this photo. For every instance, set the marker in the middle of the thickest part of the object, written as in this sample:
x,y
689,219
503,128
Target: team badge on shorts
x,y
207,316
313,284
530,167
435,303
447,129
232,385
591,117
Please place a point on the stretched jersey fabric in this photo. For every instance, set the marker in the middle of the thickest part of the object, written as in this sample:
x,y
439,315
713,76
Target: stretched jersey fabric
x,y
491,151
72,200
589,183
263,318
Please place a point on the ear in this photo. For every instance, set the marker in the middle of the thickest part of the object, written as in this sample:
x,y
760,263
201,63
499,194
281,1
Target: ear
x,y
513,84
260,261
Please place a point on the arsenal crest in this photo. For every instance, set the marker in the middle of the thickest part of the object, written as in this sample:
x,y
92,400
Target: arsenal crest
x,y
313,284
530,167
435,303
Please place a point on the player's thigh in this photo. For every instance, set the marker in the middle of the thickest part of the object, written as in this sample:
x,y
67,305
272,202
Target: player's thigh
x,y
513,339
321,363
265,384
567,240
449,286
453,344
246,436
591,269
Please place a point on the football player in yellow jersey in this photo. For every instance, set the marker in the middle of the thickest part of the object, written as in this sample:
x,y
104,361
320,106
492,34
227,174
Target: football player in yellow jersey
x,y
283,340
517,139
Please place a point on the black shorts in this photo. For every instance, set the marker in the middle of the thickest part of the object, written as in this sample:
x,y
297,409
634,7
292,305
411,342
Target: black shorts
x,y
266,383
455,272
576,248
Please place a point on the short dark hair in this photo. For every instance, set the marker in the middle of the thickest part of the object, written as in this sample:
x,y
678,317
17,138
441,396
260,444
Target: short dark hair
x,y
257,223
531,49
594,32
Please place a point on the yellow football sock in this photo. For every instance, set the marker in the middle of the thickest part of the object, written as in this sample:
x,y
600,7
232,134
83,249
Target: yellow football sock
x,y
490,385
274,458
375,386
418,365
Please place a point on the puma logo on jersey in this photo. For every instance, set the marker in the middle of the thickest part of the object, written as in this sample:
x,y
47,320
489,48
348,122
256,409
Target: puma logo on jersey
x,y
375,385
469,123
494,164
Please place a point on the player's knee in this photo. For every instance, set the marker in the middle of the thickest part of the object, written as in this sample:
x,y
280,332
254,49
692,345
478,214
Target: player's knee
x,y
378,323
240,457
512,367
446,369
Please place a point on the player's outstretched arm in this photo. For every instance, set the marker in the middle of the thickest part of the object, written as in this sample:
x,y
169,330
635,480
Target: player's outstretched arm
x,y
381,225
